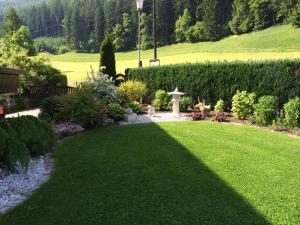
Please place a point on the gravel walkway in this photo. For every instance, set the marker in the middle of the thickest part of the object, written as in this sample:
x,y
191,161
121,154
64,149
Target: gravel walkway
x,y
158,117
16,187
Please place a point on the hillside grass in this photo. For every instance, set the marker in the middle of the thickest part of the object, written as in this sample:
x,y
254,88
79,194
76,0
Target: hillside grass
x,y
193,173
277,42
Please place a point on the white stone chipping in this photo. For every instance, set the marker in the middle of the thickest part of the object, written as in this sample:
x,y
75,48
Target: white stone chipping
x,y
16,187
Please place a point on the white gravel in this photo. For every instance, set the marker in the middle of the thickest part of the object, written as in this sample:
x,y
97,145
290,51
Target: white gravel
x,y
17,187
158,117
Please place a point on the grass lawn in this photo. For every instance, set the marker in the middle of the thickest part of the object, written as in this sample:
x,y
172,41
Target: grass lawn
x,y
169,173
274,43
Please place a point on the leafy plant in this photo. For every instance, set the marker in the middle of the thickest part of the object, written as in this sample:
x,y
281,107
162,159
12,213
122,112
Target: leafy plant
x,y
242,104
185,104
219,108
220,117
115,111
197,116
133,90
135,106
161,100
265,111
292,113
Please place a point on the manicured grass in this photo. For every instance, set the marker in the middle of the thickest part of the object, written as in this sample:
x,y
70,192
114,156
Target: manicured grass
x,y
169,173
274,43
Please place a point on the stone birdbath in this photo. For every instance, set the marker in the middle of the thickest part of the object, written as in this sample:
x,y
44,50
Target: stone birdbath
x,y
176,95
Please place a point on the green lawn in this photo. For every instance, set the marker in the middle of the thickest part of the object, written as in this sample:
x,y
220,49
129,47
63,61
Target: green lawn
x,y
169,173
274,43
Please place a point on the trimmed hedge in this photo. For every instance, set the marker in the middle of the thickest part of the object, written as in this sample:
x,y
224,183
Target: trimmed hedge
x,y
221,80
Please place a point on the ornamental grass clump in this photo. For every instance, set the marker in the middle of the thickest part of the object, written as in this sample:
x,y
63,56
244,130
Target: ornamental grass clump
x,y
243,104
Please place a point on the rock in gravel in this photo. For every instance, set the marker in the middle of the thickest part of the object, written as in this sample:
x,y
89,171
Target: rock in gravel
x,y
17,187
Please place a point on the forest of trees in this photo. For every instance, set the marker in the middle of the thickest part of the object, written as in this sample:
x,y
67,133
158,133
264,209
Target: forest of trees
x,y
83,23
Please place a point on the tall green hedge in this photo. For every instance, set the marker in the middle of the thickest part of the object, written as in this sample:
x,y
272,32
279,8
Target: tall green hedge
x,y
214,80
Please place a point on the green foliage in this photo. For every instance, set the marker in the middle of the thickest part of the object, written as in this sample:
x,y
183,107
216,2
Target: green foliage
x,y
135,106
220,106
185,104
161,101
133,90
115,111
295,17
22,38
265,111
12,151
242,104
37,135
53,45
182,26
81,108
146,35
214,80
12,21
292,113
262,13
196,33
107,58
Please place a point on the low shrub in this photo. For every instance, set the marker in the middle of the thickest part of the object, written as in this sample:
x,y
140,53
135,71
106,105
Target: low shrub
x,y
185,104
205,109
221,118
292,113
133,90
265,111
36,134
242,104
115,111
161,101
135,106
67,129
12,152
196,116
219,108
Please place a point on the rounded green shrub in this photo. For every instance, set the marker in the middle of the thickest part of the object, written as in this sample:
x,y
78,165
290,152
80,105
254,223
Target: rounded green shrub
x,y
12,152
265,111
219,108
292,113
133,90
135,106
115,111
161,101
242,104
185,104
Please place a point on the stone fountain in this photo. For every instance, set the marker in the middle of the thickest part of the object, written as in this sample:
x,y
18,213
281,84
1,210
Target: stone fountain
x,y
176,95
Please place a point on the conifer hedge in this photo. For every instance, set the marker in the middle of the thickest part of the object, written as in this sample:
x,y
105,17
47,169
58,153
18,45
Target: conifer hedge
x,y
214,80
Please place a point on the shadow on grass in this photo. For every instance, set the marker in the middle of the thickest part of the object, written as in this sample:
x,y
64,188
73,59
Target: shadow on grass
x,y
132,175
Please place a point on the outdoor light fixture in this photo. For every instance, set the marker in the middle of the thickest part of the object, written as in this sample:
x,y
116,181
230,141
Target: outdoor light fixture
x,y
139,5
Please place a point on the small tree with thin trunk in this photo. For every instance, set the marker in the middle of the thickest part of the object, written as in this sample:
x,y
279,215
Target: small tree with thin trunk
x,y
107,58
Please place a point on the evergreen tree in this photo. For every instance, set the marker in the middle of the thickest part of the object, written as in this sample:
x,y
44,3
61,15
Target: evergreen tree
x,y
295,16
262,13
242,20
146,34
12,21
210,19
99,26
182,26
22,38
107,57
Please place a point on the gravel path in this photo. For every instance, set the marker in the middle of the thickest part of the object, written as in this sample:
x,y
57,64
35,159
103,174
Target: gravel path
x,y
158,117
16,187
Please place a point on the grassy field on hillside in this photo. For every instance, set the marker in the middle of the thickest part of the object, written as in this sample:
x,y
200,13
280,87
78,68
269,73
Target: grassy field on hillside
x,y
273,43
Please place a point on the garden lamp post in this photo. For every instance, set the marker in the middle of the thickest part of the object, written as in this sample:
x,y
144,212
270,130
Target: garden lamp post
x,y
139,4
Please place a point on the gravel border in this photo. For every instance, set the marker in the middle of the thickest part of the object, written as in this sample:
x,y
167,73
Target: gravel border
x,y
15,188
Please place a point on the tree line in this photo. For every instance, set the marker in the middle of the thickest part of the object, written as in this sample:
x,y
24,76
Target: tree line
x,y
83,23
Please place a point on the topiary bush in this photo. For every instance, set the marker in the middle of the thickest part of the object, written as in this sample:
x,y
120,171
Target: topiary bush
x,y
292,113
242,104
161,101
115,111
36,134
133,90
219,108
185,104
265,111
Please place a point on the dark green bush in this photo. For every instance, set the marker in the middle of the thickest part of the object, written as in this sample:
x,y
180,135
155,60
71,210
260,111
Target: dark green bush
x,y
161,101
265,111
115,111
214,80
292,113
12,152
185,103
36,134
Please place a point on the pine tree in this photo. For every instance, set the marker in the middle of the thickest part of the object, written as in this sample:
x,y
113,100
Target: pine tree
x,y
295,17
99,26
107,57
242,20
262,12
146,42
12,21
210,19
182,26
